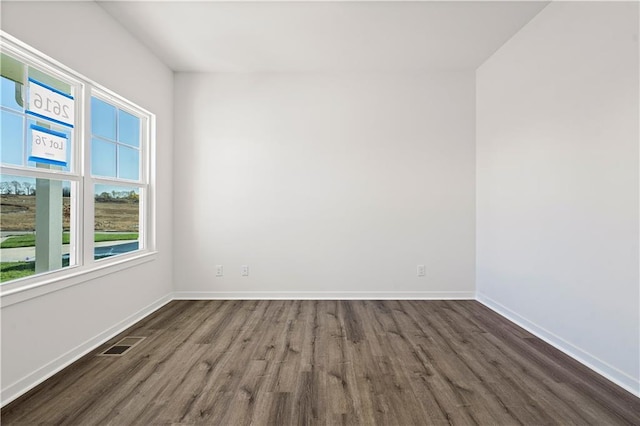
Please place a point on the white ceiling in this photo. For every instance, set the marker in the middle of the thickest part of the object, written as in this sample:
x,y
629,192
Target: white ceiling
x,y
208,36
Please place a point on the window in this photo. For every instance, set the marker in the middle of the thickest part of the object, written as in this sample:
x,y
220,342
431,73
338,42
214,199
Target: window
x,y
75,172
116,164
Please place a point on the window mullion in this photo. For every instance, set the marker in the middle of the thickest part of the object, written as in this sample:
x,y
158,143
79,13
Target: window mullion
x,y
78,207
25,121
149,173
88,208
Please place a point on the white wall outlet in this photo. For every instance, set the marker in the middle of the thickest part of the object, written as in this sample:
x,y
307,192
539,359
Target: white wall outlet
x,y
244,270
219,271
421,270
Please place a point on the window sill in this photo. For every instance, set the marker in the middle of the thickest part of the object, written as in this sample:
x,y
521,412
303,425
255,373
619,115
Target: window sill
x,y
58,280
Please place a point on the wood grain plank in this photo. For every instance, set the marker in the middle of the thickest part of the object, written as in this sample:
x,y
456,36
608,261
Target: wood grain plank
x,y
327,363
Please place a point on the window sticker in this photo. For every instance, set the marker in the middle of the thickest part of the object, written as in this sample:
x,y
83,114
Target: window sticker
x,y
48,146
50,103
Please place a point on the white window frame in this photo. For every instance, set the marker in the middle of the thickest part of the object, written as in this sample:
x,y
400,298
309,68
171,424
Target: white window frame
x,y
144,175
83,183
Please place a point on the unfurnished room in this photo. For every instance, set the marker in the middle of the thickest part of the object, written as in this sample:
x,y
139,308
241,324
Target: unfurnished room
x,y
320,212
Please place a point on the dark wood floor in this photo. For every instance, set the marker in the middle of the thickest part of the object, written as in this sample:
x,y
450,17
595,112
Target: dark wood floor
x,y
327,362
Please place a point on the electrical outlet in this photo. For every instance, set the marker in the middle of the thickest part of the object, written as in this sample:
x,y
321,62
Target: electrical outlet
x,y
219,271
421,271
244,270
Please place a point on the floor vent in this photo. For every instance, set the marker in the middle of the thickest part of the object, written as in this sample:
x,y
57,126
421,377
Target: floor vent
x,y
122,347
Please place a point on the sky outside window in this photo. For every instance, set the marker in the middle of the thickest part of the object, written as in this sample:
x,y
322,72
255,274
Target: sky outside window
x,y
116,142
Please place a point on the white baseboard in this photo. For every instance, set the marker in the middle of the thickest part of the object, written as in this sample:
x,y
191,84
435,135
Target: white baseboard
x,y
324,295
33,379
618,377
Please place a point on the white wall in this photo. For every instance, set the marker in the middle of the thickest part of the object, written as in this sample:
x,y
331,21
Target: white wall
x,y
326,185
557,183
43,333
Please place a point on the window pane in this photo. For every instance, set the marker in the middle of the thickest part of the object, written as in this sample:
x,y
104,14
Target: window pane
x,y
9,94
117,220
128,163
35,236
103,119
49,125
103,158
12,134
128,129
45,78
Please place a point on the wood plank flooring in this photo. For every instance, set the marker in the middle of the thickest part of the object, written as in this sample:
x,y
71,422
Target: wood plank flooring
x,y
327,362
